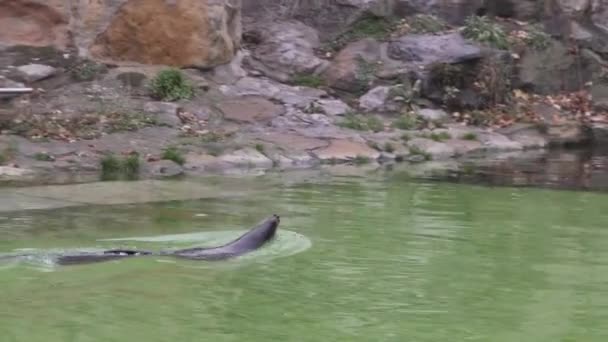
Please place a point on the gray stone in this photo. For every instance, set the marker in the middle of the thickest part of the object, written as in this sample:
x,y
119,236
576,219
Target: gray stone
x,y
599,131
166,112
332,107
437,150
163,168
34,72
433,115
247,157
429,49
230,72
300,97
498,142
375,99
287,48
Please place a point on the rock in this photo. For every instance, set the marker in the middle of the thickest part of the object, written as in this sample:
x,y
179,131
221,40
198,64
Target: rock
x,y
353,67
300,97
287,49
247,157
426,49
566,133
498,142
599,131
34,72
230,72
433,115
131,79
529,136
9,172
552,70
344,150
250,109
332,107
375,99
293,141
163,168
201,33
166,112
436,150
573,7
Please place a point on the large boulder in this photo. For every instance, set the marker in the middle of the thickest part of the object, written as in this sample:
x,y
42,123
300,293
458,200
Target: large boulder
x,y
354,67
287,49
199,33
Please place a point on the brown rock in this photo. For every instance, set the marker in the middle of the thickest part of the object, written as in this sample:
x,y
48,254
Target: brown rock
x,y
346,71
250,109
185,33
294,141
346,150
34,23
200,33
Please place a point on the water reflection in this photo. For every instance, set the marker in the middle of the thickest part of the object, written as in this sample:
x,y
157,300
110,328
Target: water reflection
x,y
583,169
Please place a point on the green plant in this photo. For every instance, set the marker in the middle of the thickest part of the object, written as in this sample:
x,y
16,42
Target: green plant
x,y
171,85
440,136
362,122
406,137
360,160
426,23
173,154
415,150
366,27
469,136
537,38
366,73
86,71
374,145
211,137
112,167
308,80
494,80
42,156
389,147
483,30
260,148
406,121
130,166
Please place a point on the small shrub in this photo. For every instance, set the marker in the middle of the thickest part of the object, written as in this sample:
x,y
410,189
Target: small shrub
x,y
367,27
112,167
130,166
41,156
440,136
86,71
361,122
366,74
425,23
260,148
469,136
483,30
374,145
406,137
406,121
360,160
172,153
388,147
308,80
537,38
211,137
171,85
415,150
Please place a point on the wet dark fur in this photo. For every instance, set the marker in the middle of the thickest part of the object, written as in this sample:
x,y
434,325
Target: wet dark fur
x,y
255,238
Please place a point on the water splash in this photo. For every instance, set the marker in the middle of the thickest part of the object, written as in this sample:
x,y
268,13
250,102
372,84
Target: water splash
x,y
286,243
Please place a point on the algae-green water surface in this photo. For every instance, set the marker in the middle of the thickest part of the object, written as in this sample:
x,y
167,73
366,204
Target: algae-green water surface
x,y
355,260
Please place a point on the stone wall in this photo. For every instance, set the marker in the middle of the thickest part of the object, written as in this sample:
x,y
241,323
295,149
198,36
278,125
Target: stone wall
x,y
199,33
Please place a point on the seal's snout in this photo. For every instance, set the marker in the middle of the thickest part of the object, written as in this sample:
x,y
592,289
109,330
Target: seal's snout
x,y
277,218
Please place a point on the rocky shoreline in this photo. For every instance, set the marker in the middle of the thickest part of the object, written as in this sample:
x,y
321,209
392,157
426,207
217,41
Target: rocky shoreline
x,y
418,90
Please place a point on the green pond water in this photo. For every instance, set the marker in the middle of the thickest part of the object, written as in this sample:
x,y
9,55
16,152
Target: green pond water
x,y
354,260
